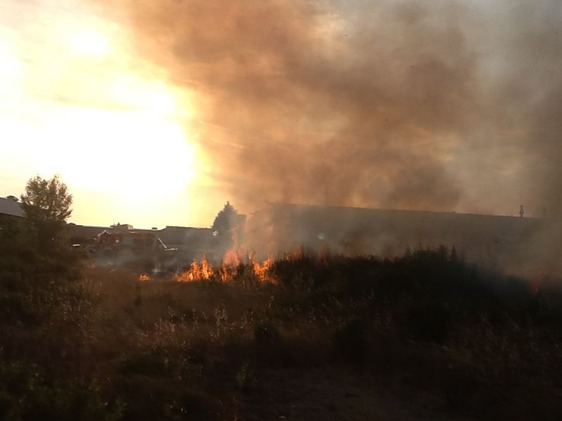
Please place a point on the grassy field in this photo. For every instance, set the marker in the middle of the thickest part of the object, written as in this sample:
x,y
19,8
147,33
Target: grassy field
x,y
301,337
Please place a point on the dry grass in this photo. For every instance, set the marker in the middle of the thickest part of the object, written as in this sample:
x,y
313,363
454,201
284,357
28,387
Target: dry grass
x,y
427,334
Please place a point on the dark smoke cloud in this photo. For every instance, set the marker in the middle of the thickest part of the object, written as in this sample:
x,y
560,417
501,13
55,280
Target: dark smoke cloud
x,y
433,105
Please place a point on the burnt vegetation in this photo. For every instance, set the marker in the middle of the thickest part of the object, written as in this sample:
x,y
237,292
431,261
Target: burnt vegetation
x,y
250,342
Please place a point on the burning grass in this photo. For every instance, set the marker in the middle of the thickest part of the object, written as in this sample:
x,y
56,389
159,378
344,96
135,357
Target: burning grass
x,y
220,341
231,270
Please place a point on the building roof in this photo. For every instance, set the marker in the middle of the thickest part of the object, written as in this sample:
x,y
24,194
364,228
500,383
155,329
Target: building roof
x,y
338,227
11,207
84,232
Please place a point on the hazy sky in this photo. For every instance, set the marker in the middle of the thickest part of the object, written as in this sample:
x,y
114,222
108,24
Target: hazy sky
x,y
155,112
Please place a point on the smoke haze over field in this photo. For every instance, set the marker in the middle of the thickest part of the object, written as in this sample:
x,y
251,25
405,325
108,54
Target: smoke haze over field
x,y
437,105
421,105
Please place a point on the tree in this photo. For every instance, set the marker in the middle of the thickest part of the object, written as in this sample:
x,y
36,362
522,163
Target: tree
x,y
47,206
225,220
227,227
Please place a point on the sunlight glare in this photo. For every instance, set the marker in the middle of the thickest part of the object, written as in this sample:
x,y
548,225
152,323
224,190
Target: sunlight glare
x,y
130,153
149,96
10,71
141,163
90,43
85,107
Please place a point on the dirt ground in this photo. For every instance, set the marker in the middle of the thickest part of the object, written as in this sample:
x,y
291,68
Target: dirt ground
x,y
340,393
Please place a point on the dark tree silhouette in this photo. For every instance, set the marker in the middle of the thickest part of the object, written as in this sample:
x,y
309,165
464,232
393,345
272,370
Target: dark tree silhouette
x,y
224,223
36,250
227,228
46,204
225,220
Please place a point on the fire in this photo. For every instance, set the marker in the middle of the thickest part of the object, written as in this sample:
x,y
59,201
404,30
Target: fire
x,y
261,270
144,277
296,254
230,269
232,257
227,273
196,272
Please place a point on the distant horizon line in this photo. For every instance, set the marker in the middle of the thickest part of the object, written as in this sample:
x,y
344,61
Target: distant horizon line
x,y
307,205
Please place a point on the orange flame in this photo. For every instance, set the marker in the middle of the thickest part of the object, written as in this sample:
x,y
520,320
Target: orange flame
x,y
261,270
232,257
226,272
144,277
196,272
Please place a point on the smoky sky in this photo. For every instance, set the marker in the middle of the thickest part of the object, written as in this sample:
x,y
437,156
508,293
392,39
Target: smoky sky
x,y
405,104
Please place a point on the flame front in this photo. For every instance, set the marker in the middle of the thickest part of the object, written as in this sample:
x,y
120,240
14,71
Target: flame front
x,y
261,270
196,272
232,257
230,269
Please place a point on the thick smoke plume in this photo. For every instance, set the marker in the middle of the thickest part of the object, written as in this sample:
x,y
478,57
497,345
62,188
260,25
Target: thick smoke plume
x,y
418,105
